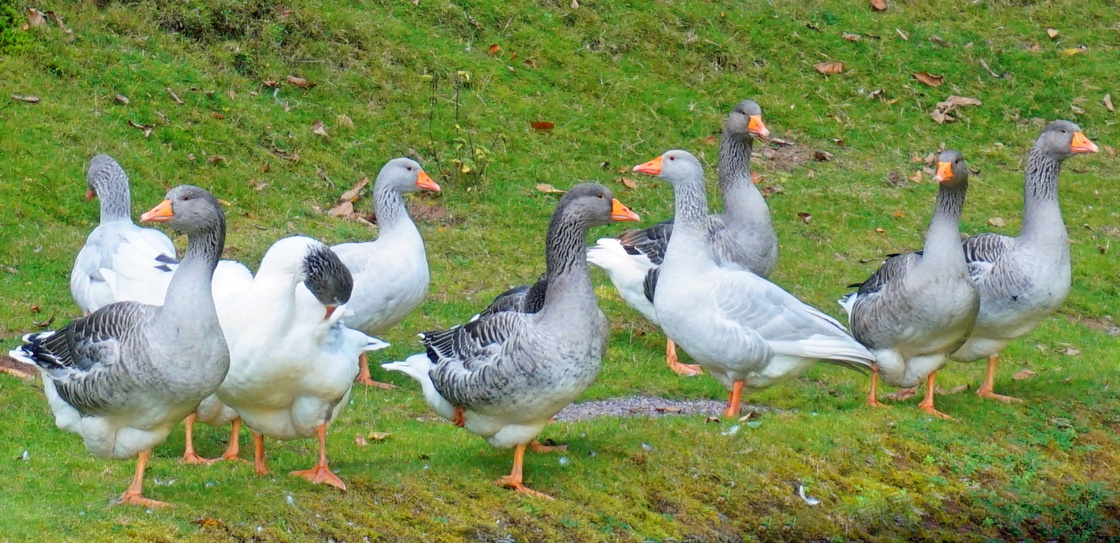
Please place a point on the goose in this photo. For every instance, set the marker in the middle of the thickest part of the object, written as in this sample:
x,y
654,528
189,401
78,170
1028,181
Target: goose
x,y
291,363
742,237
504,375
391,272
117,244
123,376
1024,279
746,331
919,307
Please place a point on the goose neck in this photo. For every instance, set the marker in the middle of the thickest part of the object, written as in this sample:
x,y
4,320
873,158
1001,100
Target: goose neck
x,y
390,209
944,235
189,297
691,203
115,202
1042,215
568,275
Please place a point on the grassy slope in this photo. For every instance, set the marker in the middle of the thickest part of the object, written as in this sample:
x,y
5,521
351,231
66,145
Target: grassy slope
x,y
622,83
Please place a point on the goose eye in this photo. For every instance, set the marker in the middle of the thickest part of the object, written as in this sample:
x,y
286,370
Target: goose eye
x,y
600,196
672,158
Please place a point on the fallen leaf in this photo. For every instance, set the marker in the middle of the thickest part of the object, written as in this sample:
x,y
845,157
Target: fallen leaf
x,y
752,414
711,419
360,441
992,72
216,159
379,436
830,68
1076,50
217,115
208,521
1108,103
257,185
898,214
628,183
175,96
300,82
957,101
850,37
354,193
44,324
1023,375
1052,33
710,140
548,189
25,98
494,48
122,99
805,217
285,155
902,34
1070,351
35,18
822,156
271,83
542,125
928,79
771,190
879,230
344,120
318,128
998,222
232,95
939,40
917,177
941,113
1077,110
756,177
147,128
669,409
1109,149
878,5
342,210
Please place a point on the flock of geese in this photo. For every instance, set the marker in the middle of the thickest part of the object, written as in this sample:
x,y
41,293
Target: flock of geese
x,y
199,339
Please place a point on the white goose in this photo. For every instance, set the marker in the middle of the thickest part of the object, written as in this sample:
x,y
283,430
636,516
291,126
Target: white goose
x,y
123,376
291,363
741,237
505,373
391,272
745,330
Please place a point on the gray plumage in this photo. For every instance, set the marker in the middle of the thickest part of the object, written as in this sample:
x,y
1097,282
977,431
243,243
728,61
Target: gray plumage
x,y
326,276
522,299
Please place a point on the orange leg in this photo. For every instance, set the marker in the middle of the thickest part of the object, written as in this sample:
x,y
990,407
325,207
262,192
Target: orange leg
x,y
985,390
459,419
539,447
927,404
873,396
134,494
321,473
514,480
364,377
733,401
189,455
259,464
684,370
234,447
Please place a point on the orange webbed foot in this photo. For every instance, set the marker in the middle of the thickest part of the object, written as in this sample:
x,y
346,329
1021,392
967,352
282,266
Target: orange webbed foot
x,y
321,475
135,498
509,482
192,458
989,394
537,446
459,419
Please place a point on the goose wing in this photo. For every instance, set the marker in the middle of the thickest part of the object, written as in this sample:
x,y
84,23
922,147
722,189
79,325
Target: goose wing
x,y
982,251
468,357
649,243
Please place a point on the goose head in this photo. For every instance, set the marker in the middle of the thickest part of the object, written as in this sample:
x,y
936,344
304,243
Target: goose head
x,y
952,171
745,121
404,175
675,166
1063,139
300,258
188,209
593,204
104,176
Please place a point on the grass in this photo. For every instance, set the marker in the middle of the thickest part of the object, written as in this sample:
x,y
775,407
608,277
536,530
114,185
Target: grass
x,y
622,83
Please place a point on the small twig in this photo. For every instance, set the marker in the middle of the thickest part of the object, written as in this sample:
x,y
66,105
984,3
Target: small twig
x,y
175,96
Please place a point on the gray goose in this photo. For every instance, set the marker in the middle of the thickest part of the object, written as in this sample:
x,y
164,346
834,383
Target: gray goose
x,y
502,376
742,236
919,307
390,272
746,331
123,376
1024,279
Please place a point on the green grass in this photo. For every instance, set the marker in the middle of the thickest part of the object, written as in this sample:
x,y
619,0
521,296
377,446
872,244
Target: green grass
x,y
622,83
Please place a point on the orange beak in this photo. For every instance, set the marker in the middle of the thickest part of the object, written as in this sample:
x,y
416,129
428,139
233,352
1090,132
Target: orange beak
x,y
425,182
652,167
1081,144
757,127
620,212
90,195
330,310
944,172
160,213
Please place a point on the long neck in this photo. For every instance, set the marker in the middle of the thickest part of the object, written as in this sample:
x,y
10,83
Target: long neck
x,y
1042,216
568,277
742,201
691,204
943,239
189,298
115,201
390,208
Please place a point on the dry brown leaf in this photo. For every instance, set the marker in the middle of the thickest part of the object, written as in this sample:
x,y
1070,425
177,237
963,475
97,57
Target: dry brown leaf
x,y
830,68
1070,351
208,521
878,5
850,37
494,48
669,409
58,20
35,18
1052,33
284,155
216,159
879,230
711,419
822,156
929,79
271,83
355,192
1023,375
217,115
343,210
958,101
232,95
710,140
770,190
898,214
379,436
344,120
147,128
1077,110
1108,103
998,222
25,98
756,177
542,125
360,440
941,113
902,34
319,129
300,82
255,184
917,177
548,189
805,217
628,183
122,99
